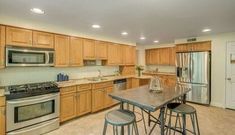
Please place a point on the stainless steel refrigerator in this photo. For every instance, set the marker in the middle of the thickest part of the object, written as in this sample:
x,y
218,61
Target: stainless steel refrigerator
x,y
194,69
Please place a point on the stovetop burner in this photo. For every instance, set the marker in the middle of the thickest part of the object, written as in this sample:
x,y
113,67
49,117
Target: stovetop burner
x,y
33,89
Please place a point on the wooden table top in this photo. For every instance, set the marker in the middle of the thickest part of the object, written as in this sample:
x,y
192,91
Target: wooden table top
x,y
151,101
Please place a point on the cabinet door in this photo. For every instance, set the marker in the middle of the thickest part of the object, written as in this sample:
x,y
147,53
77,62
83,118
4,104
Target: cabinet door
x,y
83,102
98,99
2,46
113,58
119,55
163,56
75,51
147,57
101,50
129,83
201,46
183,48
2,120
88,49
155,56
62,51
18,36
135,83
43,39
172,55
129,55
67,106
108,100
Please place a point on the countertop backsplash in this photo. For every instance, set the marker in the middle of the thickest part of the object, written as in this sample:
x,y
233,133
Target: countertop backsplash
x,y
170,69
22,75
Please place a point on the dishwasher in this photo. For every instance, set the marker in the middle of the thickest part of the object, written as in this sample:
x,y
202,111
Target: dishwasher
x,y
119,84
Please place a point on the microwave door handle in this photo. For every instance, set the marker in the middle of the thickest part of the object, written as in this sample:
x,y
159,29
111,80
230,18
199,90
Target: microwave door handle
x,y
47,58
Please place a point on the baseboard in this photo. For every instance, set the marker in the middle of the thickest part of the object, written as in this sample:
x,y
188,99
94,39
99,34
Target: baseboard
x,y
216,104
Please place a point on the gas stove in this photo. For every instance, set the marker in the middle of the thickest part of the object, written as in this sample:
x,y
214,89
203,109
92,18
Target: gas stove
x,y
28,90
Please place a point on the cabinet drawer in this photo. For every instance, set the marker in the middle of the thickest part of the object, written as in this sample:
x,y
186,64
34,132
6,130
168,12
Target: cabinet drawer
x,y
2,101
67,90
102,85
83,87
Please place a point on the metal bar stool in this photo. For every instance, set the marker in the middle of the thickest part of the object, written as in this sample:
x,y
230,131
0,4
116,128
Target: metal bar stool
x,y
120,118
182,110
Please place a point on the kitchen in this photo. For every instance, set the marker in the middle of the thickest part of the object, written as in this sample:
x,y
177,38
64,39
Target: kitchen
x,y
61,76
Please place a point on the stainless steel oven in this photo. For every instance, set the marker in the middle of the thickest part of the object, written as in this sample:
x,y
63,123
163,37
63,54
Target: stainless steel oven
x,y
33,115
17,56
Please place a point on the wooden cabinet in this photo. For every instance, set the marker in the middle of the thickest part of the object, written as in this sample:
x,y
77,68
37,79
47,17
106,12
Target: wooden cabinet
x,y
129,55
19,37
2,120
114,54
74,101
68,103
75,51
43,39
101,50
2,46
61,50
160,56
127,70
88,49
135,83
83,102
194,47
100,97
172,56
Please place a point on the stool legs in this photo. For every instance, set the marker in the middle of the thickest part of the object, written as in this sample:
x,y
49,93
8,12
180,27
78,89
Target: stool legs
x,y
198,131
105,128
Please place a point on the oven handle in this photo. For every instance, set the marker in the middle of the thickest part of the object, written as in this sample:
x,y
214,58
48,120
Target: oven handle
x,y
34,99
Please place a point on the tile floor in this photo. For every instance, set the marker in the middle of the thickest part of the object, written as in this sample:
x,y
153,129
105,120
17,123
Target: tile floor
x,y
212,121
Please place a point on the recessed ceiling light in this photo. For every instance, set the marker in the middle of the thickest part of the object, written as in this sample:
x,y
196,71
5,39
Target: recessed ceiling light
x,y
96,26
142,38
37,11
155,41
206,30
124,33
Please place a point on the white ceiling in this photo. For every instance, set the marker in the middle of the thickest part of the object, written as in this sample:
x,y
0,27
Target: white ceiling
x,y
163,20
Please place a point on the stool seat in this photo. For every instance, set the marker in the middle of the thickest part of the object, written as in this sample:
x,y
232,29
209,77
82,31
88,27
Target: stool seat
x,y
172,105
120,117
184,109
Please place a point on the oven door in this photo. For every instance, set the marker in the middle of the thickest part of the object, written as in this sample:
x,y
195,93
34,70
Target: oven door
x,y
29,57
28,111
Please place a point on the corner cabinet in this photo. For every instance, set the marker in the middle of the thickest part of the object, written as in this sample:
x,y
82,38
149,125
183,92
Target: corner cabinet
x,y
19,36
2,46
43,40
75,51
62,51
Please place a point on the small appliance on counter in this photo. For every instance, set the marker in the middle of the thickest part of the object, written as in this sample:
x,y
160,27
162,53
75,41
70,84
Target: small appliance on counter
x,y
155,85
62,77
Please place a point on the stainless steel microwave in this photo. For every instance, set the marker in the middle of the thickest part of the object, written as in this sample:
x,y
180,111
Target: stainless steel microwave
x,y
17,56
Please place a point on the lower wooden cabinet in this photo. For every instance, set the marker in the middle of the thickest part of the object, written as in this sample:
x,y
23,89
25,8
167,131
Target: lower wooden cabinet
x,y
100,96
98,99
83,102
2,120
74,102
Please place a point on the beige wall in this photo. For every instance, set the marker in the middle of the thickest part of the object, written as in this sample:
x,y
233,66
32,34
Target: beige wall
x,y
218,70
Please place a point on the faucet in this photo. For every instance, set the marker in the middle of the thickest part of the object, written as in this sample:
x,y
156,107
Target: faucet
x,y
100,75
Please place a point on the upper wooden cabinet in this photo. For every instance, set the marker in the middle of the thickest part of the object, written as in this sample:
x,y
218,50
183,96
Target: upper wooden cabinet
x,y
43,39
88,49
2,46
61,50
160,56
18,36
114,54
76,51
172,55
129,55
194,47
101,50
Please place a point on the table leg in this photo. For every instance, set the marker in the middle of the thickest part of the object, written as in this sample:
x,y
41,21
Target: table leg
x,y
184,124
162,111
149,120
184,99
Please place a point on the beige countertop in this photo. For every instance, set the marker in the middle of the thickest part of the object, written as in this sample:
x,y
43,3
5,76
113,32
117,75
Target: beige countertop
x,y
159,73
106,79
